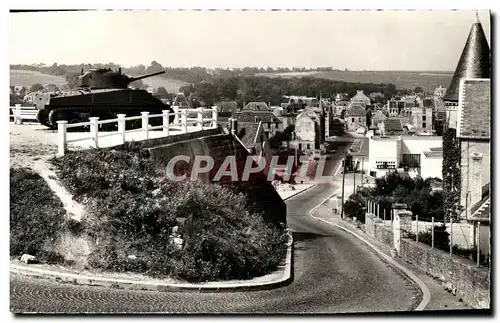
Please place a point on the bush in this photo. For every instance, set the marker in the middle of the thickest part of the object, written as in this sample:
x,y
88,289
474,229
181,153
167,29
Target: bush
x,y
36,215
133,210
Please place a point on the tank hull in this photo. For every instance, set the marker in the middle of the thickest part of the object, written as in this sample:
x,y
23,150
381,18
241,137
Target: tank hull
x,y
80,105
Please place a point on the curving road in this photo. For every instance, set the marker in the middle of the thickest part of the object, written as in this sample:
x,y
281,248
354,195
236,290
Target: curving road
x,y
333,273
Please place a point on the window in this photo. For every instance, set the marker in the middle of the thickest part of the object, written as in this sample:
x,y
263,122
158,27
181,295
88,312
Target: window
x,y
423,125
411,160
269,125
308,146
385,164
352,120
423,118
300,146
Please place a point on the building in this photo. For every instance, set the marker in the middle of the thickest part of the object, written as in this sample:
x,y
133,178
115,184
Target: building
x,y
377,117
355,117
474,136
340,106
468,112
473,63
421,119
391,127
307,131
410,101
288,119
412,154
361,98
256,112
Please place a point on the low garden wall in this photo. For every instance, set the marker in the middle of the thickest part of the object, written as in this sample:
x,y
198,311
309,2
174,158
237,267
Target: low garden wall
x,y
469,282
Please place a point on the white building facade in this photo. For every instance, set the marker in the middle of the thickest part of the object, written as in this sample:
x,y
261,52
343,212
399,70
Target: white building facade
x,y
416,154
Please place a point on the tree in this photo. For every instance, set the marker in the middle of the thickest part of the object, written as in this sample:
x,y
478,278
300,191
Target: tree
x,y
161,92
451,174
36,87
418,89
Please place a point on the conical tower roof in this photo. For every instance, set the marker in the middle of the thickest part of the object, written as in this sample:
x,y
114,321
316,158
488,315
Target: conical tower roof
x,y
474,61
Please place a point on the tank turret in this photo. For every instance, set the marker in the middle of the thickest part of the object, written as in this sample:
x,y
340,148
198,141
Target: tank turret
x,y
105,78
102,93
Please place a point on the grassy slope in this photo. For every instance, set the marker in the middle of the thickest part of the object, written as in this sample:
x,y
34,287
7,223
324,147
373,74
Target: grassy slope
x,y
402,79
28,78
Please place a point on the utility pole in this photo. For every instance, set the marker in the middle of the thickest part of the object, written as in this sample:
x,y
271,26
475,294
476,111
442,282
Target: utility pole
x,y
354,176
295,144
343,182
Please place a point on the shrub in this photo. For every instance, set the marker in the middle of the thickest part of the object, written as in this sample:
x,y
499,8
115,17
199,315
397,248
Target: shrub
x,y
133,210
36,215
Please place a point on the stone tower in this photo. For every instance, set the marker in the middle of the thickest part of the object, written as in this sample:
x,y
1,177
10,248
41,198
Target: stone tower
x,y
475,62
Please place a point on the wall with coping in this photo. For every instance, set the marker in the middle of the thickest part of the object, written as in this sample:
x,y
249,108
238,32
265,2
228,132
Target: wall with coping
x,y
469,282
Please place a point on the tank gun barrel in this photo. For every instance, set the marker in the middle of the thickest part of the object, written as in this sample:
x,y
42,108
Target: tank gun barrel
x,y
132,79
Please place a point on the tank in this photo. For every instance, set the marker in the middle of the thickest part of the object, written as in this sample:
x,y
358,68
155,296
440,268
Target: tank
x,y
101,93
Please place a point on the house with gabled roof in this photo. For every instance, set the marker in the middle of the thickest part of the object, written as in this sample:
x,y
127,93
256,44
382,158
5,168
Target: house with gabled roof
x,y
258,112
307,131
360,97
355,116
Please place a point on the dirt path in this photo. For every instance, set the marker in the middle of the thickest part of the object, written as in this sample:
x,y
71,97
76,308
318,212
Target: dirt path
x,y
31,146
29,143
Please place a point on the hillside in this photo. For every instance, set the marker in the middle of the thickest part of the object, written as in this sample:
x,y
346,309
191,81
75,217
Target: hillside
x,y
28,78
402,79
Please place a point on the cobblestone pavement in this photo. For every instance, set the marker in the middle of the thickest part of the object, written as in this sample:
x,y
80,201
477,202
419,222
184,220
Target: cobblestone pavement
x,y
333,273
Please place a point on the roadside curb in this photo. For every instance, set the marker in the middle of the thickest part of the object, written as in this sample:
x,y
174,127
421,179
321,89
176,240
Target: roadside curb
x,y
299,192
285,279
426,295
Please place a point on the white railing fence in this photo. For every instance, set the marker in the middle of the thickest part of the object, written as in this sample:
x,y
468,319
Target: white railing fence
x,y
20,113
180,124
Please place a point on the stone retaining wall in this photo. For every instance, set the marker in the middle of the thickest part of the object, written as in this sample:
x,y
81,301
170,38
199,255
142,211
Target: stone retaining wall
x,y
469,282
462,276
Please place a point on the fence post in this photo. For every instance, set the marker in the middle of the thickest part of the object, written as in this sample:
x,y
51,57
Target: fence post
x,y
61,131
17,114
451,237
200,118
184,121
94,130
176,115
378,210
432,234
384,216
145,123
477,245
416,239
121,127
166,121
215,116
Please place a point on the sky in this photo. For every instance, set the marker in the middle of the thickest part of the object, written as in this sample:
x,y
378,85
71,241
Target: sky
x,y
356,40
